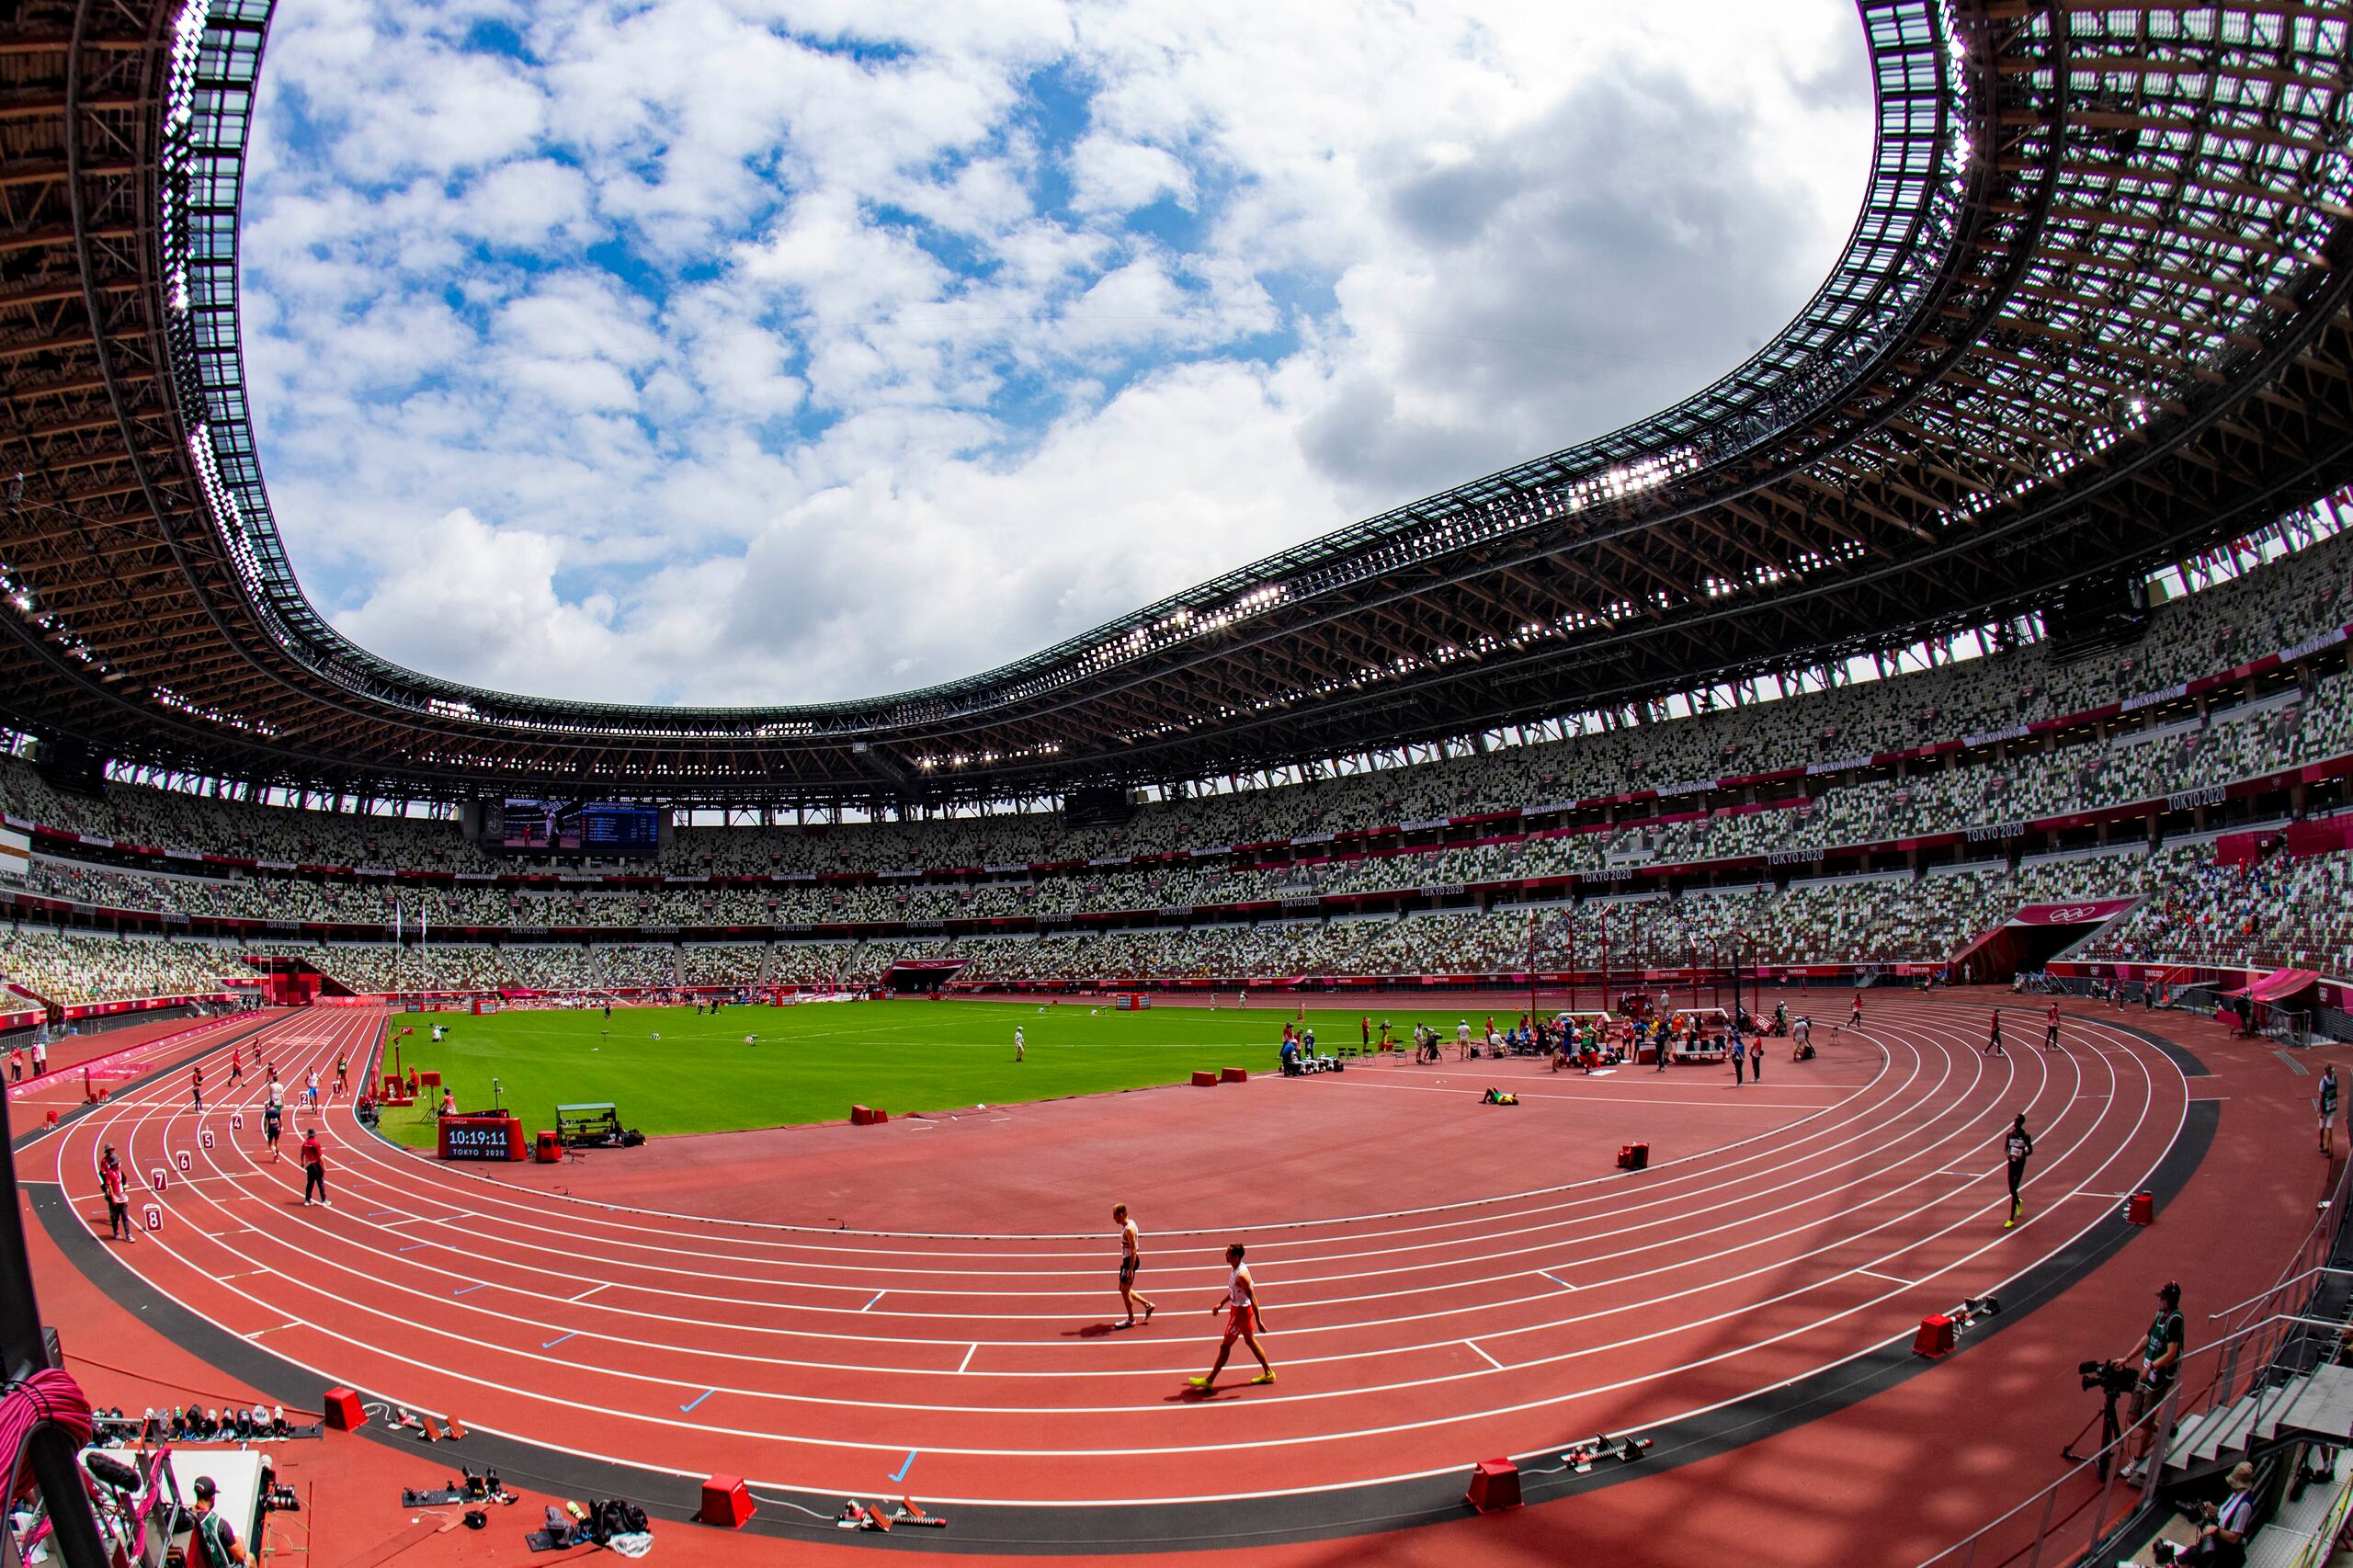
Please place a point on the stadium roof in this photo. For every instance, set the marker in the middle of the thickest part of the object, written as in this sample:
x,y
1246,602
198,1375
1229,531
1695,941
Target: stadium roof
x,y
2093,316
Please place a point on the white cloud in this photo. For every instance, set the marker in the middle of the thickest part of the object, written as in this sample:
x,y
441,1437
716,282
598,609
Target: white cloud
x,y
707,356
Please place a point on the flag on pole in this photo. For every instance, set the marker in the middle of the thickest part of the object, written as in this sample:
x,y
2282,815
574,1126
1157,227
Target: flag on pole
x,y
396,922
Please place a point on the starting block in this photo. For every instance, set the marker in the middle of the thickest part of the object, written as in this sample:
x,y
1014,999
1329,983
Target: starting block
x,y
726,1502
1494,1487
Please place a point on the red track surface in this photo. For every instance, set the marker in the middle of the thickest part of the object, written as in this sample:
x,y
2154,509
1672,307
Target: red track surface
x,y
1443,1278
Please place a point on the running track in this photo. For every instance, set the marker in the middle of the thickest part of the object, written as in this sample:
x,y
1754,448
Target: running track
x,y
968,1362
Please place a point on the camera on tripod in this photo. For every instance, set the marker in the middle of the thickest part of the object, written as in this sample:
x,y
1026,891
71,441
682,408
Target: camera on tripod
x,y
2111,1378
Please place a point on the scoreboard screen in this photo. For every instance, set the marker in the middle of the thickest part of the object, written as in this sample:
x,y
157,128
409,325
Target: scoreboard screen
x,y
579,827
481,1138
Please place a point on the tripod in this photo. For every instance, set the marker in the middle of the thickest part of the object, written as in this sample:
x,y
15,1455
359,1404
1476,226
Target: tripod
x,y
2111,1430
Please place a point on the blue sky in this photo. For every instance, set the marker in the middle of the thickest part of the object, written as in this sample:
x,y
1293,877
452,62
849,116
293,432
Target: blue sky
x,y
711,352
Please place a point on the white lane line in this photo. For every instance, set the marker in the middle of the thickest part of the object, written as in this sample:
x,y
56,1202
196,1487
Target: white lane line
x,y
1889,1278
1556,1280
1490,1361
588,1292
1833,1317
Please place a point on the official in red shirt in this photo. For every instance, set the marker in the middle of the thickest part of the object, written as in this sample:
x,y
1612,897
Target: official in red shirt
x,y
314,1169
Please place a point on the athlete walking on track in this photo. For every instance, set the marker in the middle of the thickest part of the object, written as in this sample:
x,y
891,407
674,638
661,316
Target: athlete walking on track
x,y
2016,1147
1131,1260
2051,1028
2327,1100
1243,1322
1993,1046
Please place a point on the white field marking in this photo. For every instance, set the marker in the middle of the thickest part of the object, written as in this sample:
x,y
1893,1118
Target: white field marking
x,y
755,1393
704,1294
1745,1102
481,1177
1678,1202
1605,1193
1490,1361
1331,1437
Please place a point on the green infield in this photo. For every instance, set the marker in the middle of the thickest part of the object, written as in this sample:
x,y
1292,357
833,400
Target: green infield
x,y
670,1070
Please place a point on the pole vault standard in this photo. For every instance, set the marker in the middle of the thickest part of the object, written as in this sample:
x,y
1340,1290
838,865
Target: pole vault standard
x,y
1531,968
1604,918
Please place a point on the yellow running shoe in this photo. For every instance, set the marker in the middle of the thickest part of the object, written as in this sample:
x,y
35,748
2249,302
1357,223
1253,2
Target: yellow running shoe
x,y
1262,1378
1200,1384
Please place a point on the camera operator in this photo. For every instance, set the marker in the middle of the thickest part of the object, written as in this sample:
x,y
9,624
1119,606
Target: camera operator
x,y
2221,1540
2159,1356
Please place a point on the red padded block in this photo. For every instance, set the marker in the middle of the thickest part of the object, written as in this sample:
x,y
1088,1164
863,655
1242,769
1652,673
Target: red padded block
x,y
1232,1076
726,1502
1205,1080
867,1116
1633,1156
1935,1338
343,1412
2141,1209
1494,1487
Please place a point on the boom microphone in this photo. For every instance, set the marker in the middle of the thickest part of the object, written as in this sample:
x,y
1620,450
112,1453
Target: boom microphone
x,y
110,1471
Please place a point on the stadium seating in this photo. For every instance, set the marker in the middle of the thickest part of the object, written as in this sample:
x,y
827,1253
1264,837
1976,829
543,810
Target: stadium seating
x,y
903,879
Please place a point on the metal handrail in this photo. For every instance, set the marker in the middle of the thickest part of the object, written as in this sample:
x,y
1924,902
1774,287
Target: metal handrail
x,y
2297,1280
2174,1407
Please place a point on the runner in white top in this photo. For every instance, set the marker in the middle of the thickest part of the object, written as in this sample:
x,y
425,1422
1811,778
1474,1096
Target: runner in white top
x,y
1020,1045
1131,1259
1243,1322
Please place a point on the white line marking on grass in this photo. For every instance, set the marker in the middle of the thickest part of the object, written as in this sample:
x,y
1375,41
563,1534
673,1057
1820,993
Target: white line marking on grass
x,y
1483,1356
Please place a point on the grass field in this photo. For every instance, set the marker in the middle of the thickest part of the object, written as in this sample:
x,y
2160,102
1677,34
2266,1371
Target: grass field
x,y
812,1063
